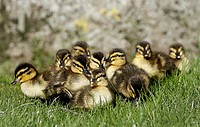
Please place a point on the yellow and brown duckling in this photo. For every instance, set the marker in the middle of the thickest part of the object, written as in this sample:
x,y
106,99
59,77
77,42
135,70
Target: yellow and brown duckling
x,y
80,48
63,59
98,93
32,83
79,74
127,79
156,64
56,74
62,63
67,81
96,60
177,53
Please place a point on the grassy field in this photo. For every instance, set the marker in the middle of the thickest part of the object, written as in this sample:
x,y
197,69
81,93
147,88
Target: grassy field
x,y
174,101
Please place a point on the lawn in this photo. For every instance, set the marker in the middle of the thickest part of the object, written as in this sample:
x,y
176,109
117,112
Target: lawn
x,y
174,101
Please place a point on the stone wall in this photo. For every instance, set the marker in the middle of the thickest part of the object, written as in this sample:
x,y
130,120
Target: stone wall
x,y
51,25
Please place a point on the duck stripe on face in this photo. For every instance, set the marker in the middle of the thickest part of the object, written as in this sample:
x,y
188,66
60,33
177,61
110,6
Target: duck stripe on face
x,y
22,71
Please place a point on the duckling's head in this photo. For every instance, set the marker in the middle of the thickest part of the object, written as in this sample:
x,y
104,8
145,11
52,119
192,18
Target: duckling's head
x,y
97,60
136,83
80,65
63,58
24,72
98,78
143,49
176,51
116,57
80,48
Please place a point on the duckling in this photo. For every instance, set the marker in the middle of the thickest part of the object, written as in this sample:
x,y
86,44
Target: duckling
x,y
62,62
58,71
98,93
63,59
177,53
127,79
80,48
68,81
156,64
96,60
32,83
79,74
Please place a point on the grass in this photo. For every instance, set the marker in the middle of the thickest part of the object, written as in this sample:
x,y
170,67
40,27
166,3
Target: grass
x,y
173,102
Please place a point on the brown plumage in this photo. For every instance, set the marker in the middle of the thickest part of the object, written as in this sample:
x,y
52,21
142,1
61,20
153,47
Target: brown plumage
x,y
79,74
98,93
31,82
57,73
127,79
156,64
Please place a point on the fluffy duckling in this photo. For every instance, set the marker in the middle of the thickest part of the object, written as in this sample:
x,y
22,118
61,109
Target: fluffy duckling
x,y
63,59
156,64
177,53
127,79
56,74
96,60
98,93
80,48
32,83
68,81
79,74
62,63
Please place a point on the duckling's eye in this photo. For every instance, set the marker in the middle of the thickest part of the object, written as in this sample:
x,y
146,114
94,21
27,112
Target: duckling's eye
x,y
81,51
75,49
117,55
28,73
19,79
95,61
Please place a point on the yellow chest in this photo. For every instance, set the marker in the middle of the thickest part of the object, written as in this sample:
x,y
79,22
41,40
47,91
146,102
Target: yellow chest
x,y
151,69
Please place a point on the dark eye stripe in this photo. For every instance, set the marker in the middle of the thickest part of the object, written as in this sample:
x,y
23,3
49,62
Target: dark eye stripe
x,y
140,50
28,73
23,72
102,75
117,55
95,61
77,65
79,49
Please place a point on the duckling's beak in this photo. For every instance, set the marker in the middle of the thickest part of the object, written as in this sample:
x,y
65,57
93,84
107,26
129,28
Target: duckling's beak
x,y
93,80
14,82
178,56
86,72
107,62
101,66
145,55
107,59
88,54
61,64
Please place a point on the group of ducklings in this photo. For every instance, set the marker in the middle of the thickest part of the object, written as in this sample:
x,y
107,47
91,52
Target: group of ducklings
x,y
88,80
